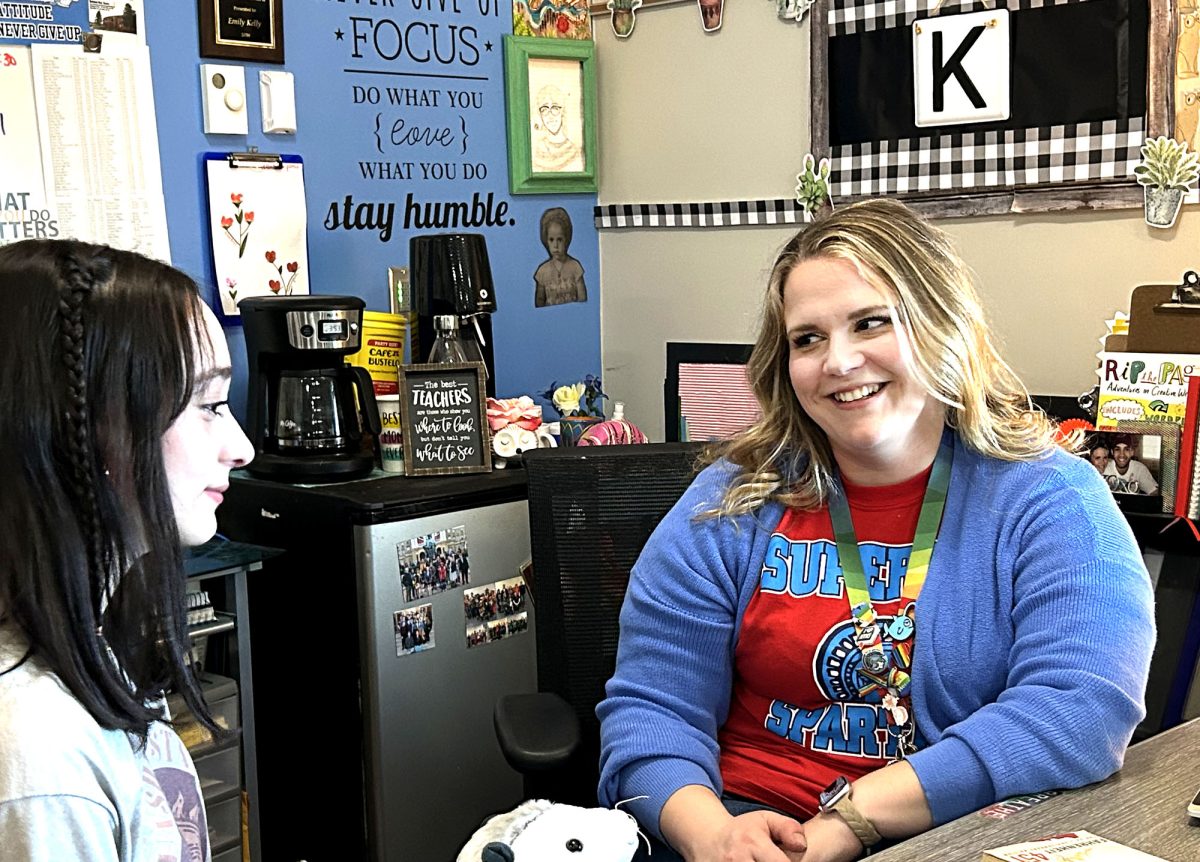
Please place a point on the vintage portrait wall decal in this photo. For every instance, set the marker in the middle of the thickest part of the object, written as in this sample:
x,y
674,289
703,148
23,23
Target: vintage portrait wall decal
x,y
560,277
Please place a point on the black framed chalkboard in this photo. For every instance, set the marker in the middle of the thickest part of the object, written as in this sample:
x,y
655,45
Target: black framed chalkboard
x,y
443,419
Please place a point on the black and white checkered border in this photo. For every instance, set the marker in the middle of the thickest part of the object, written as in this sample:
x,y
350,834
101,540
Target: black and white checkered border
x,y
855,16
1105,150
716,214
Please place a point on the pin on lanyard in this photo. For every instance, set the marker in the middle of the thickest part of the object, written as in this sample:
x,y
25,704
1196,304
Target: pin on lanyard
x,y
868,636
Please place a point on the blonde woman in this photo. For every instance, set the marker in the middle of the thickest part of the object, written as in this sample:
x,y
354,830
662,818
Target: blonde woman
x,y
880,609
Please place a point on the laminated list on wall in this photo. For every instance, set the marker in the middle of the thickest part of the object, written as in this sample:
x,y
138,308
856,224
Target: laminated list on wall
x,y
90,164
24,207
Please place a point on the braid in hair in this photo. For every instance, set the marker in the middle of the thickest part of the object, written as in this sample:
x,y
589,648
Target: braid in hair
x,y
81,278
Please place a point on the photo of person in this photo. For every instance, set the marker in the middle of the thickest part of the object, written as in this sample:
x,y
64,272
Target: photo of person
x,y
414,629
1125,474
555,116
559,279
433,563
495,611
1129,463
1098,454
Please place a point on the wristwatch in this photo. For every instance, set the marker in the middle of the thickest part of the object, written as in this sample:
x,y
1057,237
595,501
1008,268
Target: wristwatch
x,y
835,799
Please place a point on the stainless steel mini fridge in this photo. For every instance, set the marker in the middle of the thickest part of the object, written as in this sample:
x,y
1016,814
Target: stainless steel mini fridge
x,y
380,642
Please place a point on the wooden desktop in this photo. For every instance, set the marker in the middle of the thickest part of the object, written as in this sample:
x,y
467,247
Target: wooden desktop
x,y
1144,806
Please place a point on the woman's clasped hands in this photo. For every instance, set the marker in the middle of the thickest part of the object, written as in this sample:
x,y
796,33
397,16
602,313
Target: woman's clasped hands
x,y
704,831
767,836
756,836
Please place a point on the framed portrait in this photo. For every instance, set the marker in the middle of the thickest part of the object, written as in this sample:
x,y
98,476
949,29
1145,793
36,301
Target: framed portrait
x,y
550,92
1139,461
1010,122
242,30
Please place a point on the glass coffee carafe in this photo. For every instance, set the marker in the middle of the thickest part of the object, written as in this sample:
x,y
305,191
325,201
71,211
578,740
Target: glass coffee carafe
x,y
313,412
312,416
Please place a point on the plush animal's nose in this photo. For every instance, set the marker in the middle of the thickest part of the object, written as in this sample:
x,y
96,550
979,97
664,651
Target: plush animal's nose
x,y
574,846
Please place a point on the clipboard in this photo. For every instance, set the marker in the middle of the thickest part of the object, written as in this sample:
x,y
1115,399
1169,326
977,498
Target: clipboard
x,y
258,227
1160,323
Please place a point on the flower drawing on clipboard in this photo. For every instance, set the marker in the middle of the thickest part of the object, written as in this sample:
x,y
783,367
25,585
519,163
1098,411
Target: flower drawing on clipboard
x,y
243,219
282,283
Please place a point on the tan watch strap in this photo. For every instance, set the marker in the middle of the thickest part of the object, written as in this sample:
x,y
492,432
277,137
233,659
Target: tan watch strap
x,y
859,825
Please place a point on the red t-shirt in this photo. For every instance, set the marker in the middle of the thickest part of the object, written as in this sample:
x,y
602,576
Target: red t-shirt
x,y
798,718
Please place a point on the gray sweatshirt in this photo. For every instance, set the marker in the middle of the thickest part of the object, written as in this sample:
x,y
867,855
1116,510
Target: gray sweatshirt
x,y
70,790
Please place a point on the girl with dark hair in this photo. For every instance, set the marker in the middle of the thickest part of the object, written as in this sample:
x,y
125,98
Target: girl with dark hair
x,y
116,443
875,612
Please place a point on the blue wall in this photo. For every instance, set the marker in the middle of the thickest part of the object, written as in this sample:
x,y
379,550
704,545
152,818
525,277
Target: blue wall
x,y
334,134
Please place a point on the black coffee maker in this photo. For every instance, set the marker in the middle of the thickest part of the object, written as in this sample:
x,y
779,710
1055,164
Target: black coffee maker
x,y
311,415
451,274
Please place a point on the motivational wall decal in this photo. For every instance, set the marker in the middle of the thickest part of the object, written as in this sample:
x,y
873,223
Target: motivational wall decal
x,y
404,116
418,78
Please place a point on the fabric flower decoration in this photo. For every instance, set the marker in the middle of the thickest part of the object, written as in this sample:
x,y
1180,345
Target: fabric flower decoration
x,y
566,399
522,412
585,398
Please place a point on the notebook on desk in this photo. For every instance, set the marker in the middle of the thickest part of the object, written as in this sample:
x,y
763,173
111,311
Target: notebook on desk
x,y
1068,847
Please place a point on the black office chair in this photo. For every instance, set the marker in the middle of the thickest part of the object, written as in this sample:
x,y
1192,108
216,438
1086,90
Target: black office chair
x,y
591,509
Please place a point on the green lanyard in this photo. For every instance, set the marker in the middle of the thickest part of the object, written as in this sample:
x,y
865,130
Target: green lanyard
x,y
868,635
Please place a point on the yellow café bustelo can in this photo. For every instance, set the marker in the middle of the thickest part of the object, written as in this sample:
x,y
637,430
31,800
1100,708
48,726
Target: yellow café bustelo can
x,y
382,351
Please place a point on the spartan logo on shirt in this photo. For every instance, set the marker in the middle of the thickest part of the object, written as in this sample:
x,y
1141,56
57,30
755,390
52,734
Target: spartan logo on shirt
x,y
838,661
854,724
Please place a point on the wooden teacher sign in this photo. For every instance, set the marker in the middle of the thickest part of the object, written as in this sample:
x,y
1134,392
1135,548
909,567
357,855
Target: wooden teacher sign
x,y
443,419
242,30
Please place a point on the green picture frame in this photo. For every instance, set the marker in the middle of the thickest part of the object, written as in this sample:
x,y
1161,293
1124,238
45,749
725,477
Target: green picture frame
x,y
550,97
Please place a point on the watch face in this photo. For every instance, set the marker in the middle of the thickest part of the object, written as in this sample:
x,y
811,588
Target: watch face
x,y
834,792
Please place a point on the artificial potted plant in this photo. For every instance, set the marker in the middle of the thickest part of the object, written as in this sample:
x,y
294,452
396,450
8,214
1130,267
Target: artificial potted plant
x,y
624,16
1166,171
580,405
